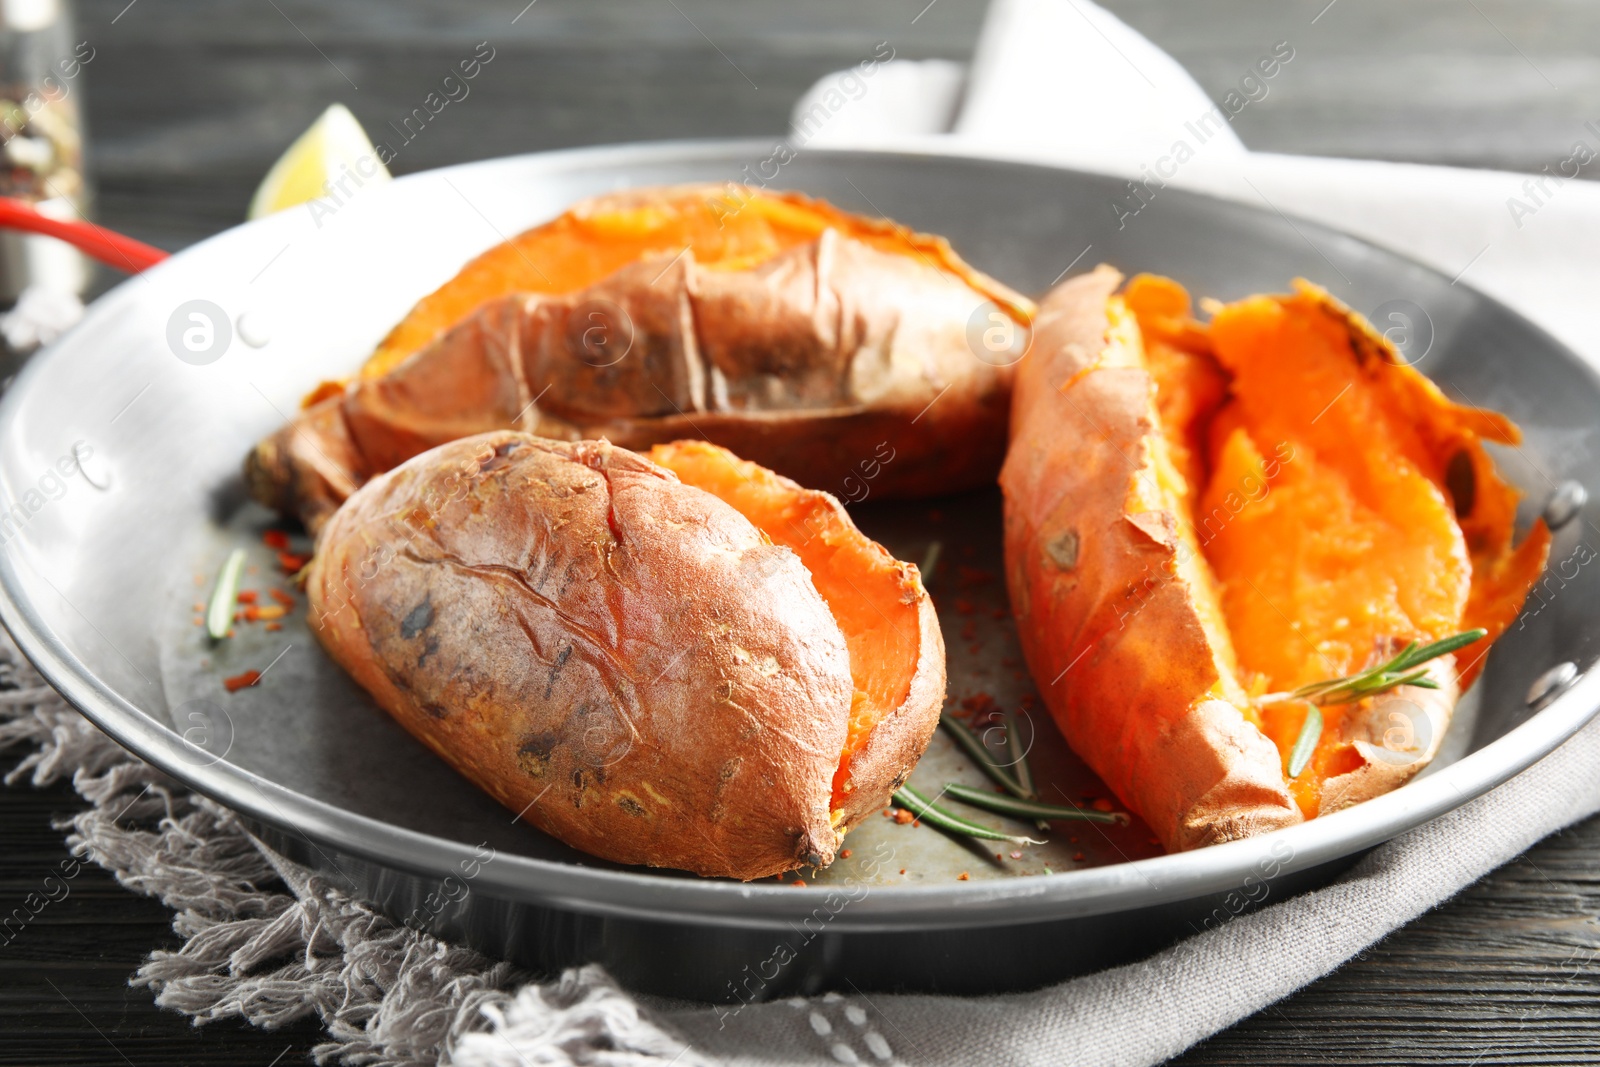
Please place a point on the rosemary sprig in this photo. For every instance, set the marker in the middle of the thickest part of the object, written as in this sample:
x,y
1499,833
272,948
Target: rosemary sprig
x,y
1306,743
219,612
933,815
1019,755
1405,668
973,746
1028,809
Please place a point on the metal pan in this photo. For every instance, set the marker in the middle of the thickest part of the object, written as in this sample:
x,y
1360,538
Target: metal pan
x,y
119,456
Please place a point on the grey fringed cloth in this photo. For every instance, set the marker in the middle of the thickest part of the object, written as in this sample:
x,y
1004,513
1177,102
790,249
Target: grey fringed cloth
x,y
266,941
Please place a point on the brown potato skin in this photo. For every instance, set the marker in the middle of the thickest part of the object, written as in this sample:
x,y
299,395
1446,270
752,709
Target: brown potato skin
x,y
622,657
1111,633
804,364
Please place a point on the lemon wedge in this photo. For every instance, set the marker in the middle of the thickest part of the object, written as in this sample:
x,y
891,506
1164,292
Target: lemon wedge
x,y
334,150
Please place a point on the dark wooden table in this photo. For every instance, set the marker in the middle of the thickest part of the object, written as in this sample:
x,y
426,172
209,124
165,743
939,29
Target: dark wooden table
x,y
190,100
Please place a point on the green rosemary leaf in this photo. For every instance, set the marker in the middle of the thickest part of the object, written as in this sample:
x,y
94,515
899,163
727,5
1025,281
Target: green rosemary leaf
x,y
933,815
219,612
1404,668
973,745
1306,743
1028,809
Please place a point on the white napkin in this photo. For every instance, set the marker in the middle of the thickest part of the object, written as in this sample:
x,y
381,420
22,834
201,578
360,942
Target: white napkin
x,y
1063,81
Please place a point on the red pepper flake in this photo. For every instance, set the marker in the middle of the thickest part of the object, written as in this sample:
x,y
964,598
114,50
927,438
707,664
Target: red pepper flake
x,y
1102,805
902,816
974,648
291,563
845,853
963,877
964,606
248,596
276,540
999,857
1077,857
250,614
798,884
998,613
199,620
241,681
969,630
973,575
286,599
902,870
979,704
199,607
274,627
1029,700
934,515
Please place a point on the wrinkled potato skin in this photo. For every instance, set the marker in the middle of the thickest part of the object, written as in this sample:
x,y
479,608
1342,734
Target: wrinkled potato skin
x,y
808,364
620,656
1111,634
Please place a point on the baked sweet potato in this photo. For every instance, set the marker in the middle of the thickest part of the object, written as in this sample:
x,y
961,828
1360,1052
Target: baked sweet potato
x,y
799,336
1199,515
688,663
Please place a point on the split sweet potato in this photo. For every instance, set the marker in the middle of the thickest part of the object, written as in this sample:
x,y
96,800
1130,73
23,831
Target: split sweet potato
x,y
689,663
1200,514
800,336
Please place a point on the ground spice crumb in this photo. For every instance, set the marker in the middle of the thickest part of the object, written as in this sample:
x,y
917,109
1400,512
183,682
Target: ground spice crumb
x,y
902,816
902,870
845,853
241,681
252,569
199,579
274,627
199,606
199,620
1102,804
963,877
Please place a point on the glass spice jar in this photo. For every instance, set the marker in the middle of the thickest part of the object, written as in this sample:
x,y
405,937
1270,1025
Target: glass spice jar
x,y
41,140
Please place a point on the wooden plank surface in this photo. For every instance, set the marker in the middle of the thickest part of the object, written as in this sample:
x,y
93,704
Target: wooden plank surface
x,y
190,100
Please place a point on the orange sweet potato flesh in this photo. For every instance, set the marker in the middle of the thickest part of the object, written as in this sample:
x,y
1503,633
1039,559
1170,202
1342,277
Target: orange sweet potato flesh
x,y
886,616
1265,500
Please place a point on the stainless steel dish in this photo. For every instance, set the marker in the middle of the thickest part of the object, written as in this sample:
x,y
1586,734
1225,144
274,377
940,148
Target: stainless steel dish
x,y
119,456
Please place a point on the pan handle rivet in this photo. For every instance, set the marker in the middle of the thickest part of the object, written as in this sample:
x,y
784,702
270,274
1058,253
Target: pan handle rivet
x,y
1565,503
1551,684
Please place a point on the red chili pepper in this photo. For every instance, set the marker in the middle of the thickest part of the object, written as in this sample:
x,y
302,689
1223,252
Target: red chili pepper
x,y
241,681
